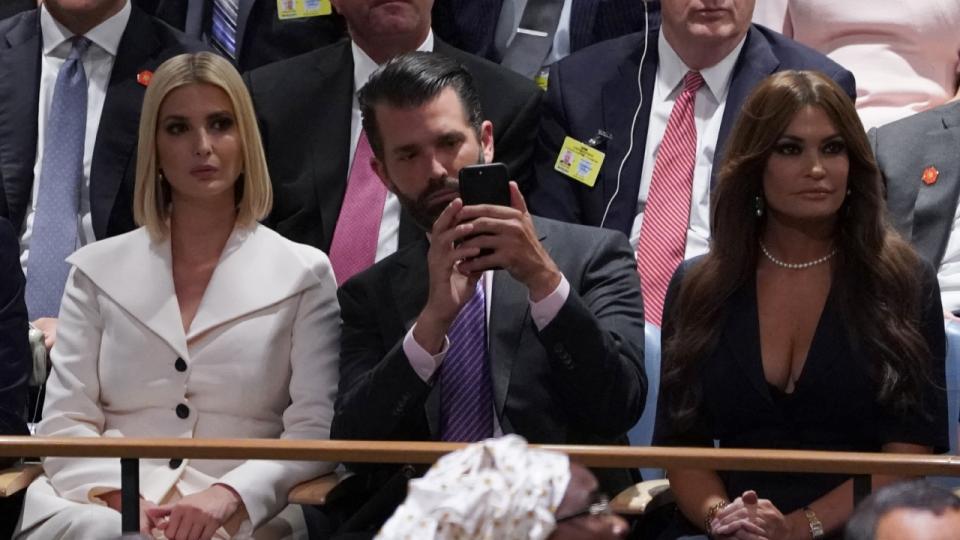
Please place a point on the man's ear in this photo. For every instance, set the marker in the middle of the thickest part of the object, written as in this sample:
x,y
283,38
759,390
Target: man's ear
x,y
381,170
486,141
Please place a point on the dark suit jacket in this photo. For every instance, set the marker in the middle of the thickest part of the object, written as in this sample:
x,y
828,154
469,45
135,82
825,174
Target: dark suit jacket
x,y
9,8
262,37
833,407
14,350
922,213
145,44
578,381
471,25
597,89
304,106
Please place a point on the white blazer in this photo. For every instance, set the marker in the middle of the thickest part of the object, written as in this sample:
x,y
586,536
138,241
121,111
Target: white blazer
x,y
260,362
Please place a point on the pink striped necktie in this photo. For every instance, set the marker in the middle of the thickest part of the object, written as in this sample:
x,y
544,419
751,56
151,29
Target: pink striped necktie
x,y
663,233
354,245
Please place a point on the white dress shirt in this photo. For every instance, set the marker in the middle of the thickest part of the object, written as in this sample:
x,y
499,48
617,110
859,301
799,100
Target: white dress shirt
x,y
98,64
708,110
542,313
510,13
388,239
949,272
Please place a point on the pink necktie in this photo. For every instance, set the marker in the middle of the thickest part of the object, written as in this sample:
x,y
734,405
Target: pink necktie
x,y
663,234
354,245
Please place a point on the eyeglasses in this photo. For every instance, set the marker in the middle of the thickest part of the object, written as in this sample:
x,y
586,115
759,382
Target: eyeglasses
x,y
599,506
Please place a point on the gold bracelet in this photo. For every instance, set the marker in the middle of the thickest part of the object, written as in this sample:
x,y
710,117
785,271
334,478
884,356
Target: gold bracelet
x,y
816,527
712,513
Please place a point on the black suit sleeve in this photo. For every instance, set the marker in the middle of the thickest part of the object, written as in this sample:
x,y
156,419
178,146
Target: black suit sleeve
x,y
380,396
595,342
14,348
553,194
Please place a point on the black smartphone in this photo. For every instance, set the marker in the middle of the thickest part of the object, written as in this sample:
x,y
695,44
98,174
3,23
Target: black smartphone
x,y
488,183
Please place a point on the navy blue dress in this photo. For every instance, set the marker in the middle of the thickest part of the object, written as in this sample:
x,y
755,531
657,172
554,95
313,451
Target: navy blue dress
x,y
833,406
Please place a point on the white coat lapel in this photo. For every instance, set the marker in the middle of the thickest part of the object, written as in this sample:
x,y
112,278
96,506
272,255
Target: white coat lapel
x,y
137,274
258,268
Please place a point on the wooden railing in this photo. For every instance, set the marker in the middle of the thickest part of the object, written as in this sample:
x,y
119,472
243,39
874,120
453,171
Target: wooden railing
x,y
858,465
853,463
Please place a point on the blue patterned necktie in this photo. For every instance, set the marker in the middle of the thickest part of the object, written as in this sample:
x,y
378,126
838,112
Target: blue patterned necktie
x,y
466,392
224,28
54,234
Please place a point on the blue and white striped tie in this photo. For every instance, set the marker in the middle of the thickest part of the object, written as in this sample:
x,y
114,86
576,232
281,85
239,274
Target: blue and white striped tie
x,y
224,31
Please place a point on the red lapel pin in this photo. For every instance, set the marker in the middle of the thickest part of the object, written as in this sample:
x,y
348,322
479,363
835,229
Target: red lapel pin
x,y
144,77
930,175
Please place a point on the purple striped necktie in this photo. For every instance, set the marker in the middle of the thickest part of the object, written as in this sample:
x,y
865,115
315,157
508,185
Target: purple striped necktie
x,y
663,233
466,392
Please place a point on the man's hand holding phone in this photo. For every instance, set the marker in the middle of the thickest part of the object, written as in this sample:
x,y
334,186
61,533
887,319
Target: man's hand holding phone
x,y
506,238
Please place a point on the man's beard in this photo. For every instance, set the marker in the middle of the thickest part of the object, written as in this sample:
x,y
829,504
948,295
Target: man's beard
x,y
422,210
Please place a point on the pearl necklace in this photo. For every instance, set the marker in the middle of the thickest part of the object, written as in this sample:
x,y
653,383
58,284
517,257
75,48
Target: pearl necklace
x,y
796,266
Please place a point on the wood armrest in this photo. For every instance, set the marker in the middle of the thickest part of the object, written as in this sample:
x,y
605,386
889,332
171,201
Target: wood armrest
x,y
642,497
315,491
17,478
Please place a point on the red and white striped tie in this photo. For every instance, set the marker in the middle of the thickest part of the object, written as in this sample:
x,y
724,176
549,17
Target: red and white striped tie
x,y
663,233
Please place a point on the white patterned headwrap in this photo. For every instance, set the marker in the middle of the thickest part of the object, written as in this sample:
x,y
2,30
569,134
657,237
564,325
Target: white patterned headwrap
x,y
498,489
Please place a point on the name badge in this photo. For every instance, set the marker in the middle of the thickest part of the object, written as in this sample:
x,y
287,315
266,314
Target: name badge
x,y
579,161
299,9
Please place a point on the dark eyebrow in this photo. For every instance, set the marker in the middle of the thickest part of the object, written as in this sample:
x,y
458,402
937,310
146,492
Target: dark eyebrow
x,y
798,139
455,136
405,149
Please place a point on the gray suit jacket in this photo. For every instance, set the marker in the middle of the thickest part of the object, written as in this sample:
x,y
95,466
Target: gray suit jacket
x,y
923,213
580,380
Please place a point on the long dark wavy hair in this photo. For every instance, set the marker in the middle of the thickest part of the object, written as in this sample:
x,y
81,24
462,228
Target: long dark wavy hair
x,y
874,272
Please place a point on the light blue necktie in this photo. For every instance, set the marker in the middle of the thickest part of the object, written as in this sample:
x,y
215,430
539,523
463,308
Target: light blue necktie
x,y
54,235
466,390
224,27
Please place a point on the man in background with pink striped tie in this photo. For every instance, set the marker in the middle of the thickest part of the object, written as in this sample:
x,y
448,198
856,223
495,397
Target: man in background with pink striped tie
x,y
325,193
664,101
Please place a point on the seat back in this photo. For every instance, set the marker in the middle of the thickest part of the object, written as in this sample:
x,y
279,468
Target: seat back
x,y
642,432
953,397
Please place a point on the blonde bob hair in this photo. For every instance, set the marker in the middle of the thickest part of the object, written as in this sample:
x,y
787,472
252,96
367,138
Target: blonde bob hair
x,y
151,197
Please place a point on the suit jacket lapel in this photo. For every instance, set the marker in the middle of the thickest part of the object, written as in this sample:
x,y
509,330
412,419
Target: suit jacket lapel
x,y
619,102
155,306
275,274
195,17
113,153
330,163
243,17
509,318
409,287
410,282
937,203
19,84
741,335
756,61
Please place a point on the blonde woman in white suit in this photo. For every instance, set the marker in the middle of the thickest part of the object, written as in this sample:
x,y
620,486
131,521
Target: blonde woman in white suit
x,y
199,324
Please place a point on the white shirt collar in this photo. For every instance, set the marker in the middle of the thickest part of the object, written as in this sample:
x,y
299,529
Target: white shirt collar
x,y
672,70
105,35
364,66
